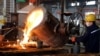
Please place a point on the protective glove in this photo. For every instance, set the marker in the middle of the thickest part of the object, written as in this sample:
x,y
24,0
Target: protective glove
x,y
73,39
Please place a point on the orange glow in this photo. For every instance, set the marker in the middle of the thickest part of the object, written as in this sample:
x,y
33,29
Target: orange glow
x,y
33,20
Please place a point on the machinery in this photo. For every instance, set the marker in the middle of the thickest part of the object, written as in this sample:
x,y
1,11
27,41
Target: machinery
x,y
42,28
56,33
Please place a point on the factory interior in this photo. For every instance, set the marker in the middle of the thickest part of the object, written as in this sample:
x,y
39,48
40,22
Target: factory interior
x,y
49,27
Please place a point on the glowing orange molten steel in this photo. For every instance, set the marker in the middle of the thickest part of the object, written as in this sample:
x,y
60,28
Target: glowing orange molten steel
x,y
33,20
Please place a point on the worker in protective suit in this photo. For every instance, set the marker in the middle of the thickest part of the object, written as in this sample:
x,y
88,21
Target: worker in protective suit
x,y
91,38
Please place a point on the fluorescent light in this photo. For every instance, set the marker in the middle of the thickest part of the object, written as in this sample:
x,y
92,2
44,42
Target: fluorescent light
x,y
91,3
78,3
74,4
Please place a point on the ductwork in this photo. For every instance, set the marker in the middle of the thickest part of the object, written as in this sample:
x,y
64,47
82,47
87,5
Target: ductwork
x,y
26,9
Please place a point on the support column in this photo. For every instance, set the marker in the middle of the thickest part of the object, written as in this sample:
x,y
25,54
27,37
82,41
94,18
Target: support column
x,y
98,9
4,7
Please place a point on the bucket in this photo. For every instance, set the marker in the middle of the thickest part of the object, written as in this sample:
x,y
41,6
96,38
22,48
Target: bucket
x,y
45,30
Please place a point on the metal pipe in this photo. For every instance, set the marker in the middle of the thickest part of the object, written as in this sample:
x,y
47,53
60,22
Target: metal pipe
x,y
62,11
8,32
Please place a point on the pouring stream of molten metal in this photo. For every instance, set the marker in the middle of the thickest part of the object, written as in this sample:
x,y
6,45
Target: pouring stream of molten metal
x,y
33,20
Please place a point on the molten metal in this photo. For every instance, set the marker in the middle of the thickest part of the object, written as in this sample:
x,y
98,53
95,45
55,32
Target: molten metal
x,y
33,20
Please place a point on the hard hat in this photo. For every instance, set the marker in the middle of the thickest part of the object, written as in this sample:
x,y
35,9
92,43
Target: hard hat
x,y
90,17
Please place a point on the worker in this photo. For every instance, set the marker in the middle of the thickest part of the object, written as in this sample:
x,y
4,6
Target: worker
x,y
91,38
